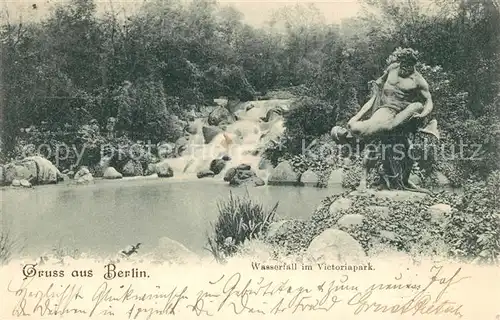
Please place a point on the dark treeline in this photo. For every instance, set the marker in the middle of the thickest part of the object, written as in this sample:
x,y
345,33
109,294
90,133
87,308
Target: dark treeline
x,y
148,69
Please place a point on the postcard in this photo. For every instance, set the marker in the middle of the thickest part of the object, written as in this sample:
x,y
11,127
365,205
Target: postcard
x,y
250,159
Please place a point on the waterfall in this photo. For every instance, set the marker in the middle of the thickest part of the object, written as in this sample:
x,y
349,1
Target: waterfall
x,y
243,140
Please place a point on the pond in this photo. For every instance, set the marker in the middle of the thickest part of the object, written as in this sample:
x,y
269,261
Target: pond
x,y
106,216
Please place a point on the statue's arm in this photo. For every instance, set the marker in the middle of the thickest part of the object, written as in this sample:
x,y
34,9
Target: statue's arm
x,y
424,90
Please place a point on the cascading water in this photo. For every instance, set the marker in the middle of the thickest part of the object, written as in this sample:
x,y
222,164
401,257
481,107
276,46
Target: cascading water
x,y
240,140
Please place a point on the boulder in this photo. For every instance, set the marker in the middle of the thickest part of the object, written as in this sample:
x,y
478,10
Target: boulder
x,y
438,212
163,169
205,174
278,229
226,157
244,166
83,176
339,205
335,179
111,173
217,165
71,174
273,114
350,220
169,250
309,178
191,128
210,132
283,174
132,169
334,244
246,177
388,235
35,169
219,116
16,183
26,184
230,174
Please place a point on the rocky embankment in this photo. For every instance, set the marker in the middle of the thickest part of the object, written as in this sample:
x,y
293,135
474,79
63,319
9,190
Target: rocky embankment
x,y
353,225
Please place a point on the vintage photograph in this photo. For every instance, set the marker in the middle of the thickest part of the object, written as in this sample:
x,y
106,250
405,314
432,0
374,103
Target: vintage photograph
x,y
170,130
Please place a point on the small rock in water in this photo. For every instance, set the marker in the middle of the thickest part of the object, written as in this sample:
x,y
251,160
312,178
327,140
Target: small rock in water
x,y
26,183
226,157
16,183
205,174
309,178
111,173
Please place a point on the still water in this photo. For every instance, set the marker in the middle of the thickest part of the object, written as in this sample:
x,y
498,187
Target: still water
x,y
106,216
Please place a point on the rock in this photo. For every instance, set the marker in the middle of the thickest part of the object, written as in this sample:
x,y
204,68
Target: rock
x,y
16,183
226,157
339,204
439,212
229,174
83,176
334,244
205,174
244,166
309,178
415,179
442,180
273,114
246,177
26,184
173,251
380,211
217,165
219,116
209,133
283,174
111,173
132,169
335,179
71,174
36,169
350,220
388,235
278,228
163,169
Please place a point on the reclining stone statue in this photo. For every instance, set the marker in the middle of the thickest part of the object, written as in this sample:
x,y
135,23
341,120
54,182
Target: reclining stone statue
x,y
401,104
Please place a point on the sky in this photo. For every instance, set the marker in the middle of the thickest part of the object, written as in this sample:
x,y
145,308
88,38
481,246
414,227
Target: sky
x,y
256,12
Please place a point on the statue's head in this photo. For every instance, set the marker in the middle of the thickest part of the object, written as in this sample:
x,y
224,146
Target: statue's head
x,y
406,57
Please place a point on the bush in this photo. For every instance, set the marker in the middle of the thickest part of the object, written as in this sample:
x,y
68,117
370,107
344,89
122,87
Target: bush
x,y
308,119
240,219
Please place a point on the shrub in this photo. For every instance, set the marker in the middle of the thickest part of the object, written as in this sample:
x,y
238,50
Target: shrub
x,y
240,219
